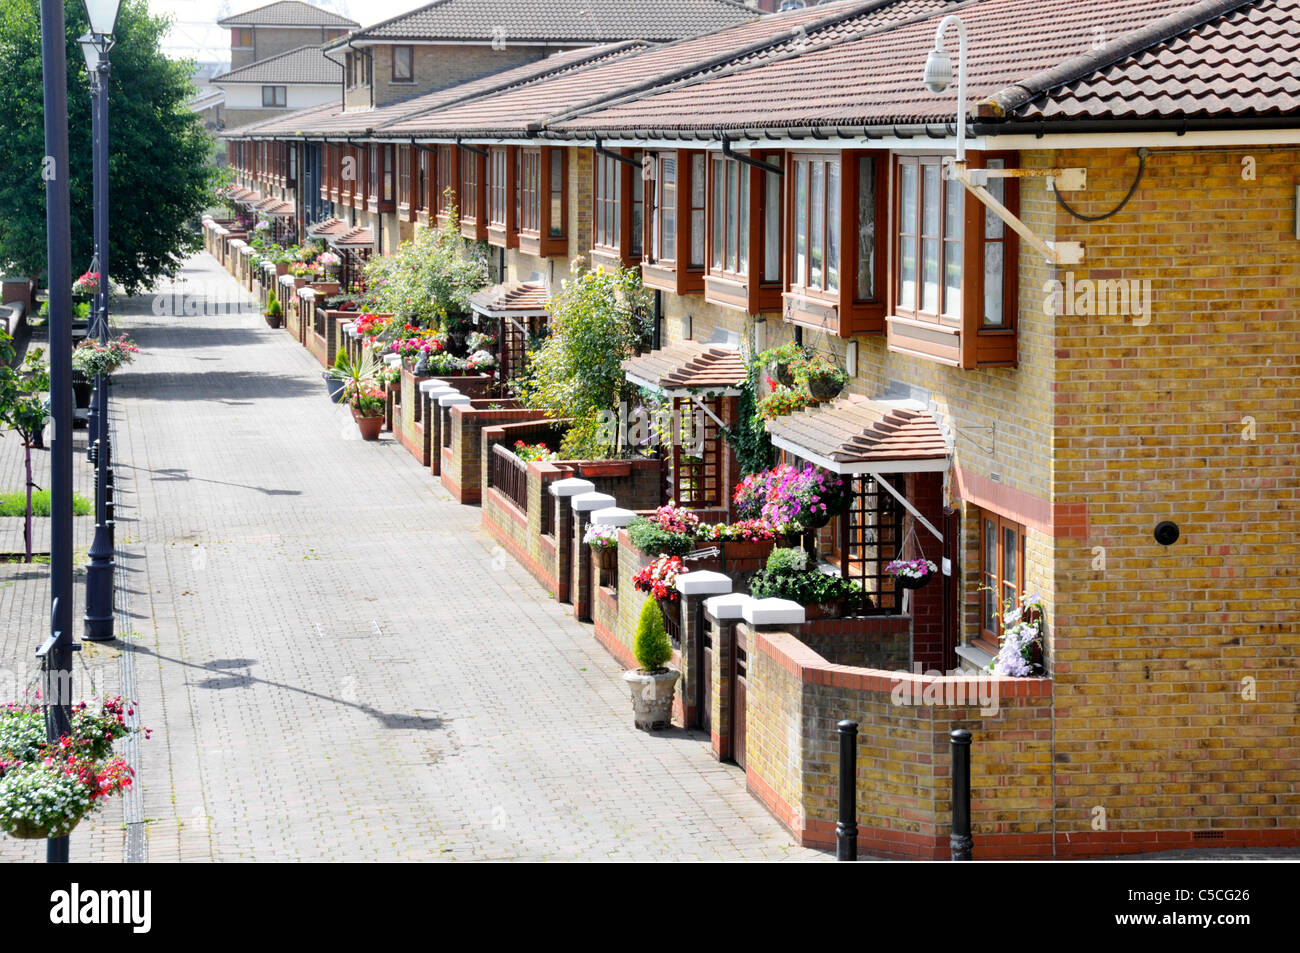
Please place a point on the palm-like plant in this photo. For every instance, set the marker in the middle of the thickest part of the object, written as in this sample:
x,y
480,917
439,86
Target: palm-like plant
x,y
357,376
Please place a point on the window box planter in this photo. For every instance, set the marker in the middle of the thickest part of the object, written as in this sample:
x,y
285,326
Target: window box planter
x,y
824,610
605,468
281,268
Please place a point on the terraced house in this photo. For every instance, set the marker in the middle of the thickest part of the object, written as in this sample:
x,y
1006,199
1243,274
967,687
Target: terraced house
x,y
1071,334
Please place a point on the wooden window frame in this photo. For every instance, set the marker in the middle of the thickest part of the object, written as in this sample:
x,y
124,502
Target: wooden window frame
x,y
669,274
842,312
626,178
750,292
274,87
959,341
405,191
502,178
236,33
409,79
545,240
472,194
996,575
447,179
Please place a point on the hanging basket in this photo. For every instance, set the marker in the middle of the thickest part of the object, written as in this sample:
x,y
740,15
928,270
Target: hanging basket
x,y
908,582
28,830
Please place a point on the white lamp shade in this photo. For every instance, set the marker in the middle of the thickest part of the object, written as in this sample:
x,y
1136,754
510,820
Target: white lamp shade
x,y
938,71
102,15
91,52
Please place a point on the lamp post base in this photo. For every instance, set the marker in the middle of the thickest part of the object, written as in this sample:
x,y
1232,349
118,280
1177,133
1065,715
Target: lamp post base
x,y
99,588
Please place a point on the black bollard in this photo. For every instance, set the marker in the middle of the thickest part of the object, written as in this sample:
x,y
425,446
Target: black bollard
x,y
846,828
960,840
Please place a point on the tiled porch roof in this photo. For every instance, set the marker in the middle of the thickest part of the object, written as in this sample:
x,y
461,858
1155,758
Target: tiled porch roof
x,y
857,435
328,227
251,199
688,366
358,237
518,299
276,209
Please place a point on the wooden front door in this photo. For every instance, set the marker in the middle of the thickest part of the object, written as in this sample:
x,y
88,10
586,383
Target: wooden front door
x,y
739,685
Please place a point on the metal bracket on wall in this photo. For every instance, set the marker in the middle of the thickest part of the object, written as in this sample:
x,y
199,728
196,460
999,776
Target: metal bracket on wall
x,y
992,431
600,149
474,149
1063,180
749,160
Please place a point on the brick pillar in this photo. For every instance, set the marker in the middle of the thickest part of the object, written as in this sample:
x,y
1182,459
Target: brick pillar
x,y
450,399
563,491
584,504
721,613
429,392
695,587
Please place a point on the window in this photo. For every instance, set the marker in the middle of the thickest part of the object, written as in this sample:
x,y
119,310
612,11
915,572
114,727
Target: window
x,y
473,193
420,183
815,223
274,95
954,284
403,64
241,38
502,200
541,196
404,178
1002,572
744,233
334,34
663,222
677,222
607,194
448,179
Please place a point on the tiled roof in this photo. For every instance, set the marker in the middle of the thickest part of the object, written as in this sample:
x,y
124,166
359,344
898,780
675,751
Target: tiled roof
x,y
516,298
306,64
689,365
251,199
1244,62
572,21
536,105
854,433
276,209
875,79
358,237
328,227
288,13
283,124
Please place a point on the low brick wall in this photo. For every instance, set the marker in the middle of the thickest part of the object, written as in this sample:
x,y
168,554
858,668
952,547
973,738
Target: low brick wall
x,y
521,533
882,641
794,699
464,460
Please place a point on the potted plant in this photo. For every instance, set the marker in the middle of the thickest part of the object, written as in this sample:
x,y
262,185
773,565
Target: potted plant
x,y
653,683
784,495
274,313
912,573
790,575
823,378
47,788
603,541
1020,652
778,362
781,401
368,411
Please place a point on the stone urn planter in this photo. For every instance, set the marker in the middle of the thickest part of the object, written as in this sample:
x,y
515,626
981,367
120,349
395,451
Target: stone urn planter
x,y
652,697
369,426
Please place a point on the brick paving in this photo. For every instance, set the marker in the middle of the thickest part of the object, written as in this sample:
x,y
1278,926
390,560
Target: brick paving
x,y
337,662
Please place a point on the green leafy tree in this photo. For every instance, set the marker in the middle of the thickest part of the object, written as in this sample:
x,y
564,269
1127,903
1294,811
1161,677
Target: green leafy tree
x,y
428,280
598,319
160,177
23,410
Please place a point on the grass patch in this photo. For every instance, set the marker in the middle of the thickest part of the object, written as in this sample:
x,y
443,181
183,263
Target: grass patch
x,y
15,504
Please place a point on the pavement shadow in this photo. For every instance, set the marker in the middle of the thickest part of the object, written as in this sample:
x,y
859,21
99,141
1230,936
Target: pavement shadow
x,y
182,475
226,674
174,386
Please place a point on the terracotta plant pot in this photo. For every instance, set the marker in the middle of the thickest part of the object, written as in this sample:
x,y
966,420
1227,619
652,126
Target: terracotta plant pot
x,y
281,268
652,697
605,468
369,426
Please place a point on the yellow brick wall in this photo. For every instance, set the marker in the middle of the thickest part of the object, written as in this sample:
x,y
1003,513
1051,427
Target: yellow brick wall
x,y
1157,652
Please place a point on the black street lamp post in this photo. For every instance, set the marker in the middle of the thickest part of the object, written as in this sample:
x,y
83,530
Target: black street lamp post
x,y
56,652
95,46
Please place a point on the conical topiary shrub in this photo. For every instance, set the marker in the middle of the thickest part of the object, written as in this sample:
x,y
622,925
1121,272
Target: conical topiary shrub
x,y
651,648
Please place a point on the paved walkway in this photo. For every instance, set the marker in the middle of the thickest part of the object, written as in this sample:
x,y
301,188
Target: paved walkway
x,y
337,663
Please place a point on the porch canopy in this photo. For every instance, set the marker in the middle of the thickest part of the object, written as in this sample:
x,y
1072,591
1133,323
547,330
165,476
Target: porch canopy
x,y
275,208
855,436
327,228
248,198
517,299
358,238
689,369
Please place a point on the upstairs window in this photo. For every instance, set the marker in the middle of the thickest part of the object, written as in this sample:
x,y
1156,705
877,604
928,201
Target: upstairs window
x,y
502,197
241,38
275,96
606,201
729,241
403,64
744,233
618,208
448,176
541,195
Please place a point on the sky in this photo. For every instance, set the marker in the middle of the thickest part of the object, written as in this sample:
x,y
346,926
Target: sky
x,y
195,33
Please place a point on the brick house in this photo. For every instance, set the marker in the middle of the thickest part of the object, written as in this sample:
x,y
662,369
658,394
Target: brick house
x,y
1098,380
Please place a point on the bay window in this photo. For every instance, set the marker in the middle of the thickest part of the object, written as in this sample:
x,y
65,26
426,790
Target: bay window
x,y
676,220
954,281
405,198
448,181
618,198
744,233
836,271
541,177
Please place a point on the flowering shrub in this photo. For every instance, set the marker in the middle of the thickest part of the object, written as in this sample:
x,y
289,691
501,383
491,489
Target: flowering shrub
x,y
783,401
46,789
741,531
1022,633
599,536
659,578
328,260
480,361
92,358
675,519
911,568
808,496
533,452
372,325
367,402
